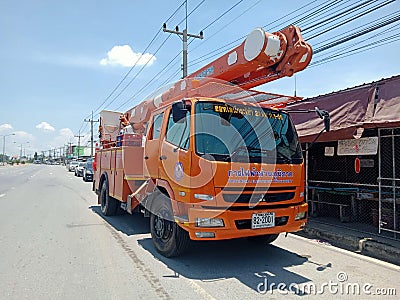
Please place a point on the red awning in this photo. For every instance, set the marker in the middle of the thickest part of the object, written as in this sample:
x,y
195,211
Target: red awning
x,y
349,110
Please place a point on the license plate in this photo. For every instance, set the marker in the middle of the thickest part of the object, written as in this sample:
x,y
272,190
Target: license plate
x,y
263,220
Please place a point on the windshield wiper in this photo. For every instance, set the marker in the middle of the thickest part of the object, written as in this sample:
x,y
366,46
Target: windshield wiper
x,y
249,149
285,158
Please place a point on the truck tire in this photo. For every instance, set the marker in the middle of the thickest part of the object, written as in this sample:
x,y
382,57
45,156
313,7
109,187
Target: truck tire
x,y
263,239
169,239
108,203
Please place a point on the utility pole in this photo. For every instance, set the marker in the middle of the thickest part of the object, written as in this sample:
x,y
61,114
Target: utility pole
x,y
91,133
4,146
69,151
79,141
184,35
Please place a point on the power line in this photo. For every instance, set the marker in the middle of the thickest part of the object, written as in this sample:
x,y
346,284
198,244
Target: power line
x,y
379,34
350,19
160,73
223,14
223,27
137,74
358,34
137,60
223,48
340,14
378,43
150,81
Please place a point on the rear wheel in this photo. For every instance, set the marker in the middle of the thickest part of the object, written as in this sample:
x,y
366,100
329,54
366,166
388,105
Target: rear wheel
x,y
169,239
108,203
263,239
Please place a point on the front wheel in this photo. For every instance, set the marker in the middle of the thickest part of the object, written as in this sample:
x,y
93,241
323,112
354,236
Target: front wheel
x,y
108,203
263,239
169,239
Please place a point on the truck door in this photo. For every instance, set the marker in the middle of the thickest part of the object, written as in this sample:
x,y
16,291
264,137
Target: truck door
x,y
176,159
152,147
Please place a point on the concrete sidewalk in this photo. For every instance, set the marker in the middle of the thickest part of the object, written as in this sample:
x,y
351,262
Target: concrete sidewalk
x,y
379,247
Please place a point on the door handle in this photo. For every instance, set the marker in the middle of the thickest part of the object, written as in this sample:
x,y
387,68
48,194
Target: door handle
x,y
146,157
163,157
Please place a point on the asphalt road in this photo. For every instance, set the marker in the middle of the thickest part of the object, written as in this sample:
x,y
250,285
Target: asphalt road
x,y
54,244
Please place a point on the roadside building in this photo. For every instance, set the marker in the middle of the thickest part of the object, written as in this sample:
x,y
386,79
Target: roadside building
x,y
353,171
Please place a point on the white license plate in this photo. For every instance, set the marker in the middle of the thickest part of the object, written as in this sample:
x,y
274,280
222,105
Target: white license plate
x,y
263,220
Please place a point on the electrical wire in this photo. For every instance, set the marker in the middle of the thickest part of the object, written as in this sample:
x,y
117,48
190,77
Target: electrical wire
x,y
149,82
350,19
358,34
160,73
235,43
131,69
384,41
223,14
140,71
338,15
226,25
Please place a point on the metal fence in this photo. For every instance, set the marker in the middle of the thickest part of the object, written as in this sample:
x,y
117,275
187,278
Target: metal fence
x,y
367,199
389,181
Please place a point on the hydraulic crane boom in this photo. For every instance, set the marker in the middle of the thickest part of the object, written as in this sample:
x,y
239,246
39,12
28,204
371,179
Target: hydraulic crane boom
x,y
262,57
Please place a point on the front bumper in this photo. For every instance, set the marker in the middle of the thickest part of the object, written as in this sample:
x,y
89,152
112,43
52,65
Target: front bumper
x,y
237,222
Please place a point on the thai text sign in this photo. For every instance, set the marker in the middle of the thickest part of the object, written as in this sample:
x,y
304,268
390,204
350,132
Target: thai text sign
x,y
363,146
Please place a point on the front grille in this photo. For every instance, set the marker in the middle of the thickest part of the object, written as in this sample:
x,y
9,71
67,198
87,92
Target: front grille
x,y
246,224
256,198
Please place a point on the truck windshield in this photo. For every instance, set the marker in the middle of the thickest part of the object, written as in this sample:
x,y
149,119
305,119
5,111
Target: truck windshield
x,y
245,133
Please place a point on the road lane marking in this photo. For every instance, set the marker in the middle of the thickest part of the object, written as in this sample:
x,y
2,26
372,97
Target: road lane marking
x,y
2,195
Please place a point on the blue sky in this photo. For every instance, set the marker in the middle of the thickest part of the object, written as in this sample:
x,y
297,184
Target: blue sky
x,y
61,59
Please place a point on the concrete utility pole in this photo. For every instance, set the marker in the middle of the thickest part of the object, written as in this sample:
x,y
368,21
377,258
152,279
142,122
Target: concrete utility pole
x,y
4,145
91,133
185,35
79,141
69,151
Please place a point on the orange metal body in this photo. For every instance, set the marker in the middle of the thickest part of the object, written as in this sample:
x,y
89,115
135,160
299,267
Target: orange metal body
x,y
134,162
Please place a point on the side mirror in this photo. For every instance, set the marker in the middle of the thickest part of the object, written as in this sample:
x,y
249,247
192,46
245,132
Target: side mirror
x,y
179,111
323,114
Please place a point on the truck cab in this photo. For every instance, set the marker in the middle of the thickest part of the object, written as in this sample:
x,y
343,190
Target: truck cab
x,y
229,169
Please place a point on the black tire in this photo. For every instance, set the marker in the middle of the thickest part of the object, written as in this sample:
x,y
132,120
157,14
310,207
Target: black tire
x,y
108,203
84,178
169,239
263,239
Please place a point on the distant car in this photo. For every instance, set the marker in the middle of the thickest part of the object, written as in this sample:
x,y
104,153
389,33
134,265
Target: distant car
x,y
79,169
72,165
88,171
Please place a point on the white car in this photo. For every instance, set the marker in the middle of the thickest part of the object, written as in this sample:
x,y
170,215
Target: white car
x,y
72,165
79,169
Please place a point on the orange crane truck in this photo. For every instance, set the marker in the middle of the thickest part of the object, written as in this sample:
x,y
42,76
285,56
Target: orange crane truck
x,y
209,158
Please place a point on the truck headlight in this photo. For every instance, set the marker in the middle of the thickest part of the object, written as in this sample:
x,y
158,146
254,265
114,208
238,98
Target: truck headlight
x,y
300,216
205,234
209,222
204,197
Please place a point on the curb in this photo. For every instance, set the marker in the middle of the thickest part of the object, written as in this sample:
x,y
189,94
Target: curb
x,y
361,245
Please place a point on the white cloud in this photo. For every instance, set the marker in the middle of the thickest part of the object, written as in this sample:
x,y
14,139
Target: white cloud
x,y
124,56
22,136
65,135
5,127
44,126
